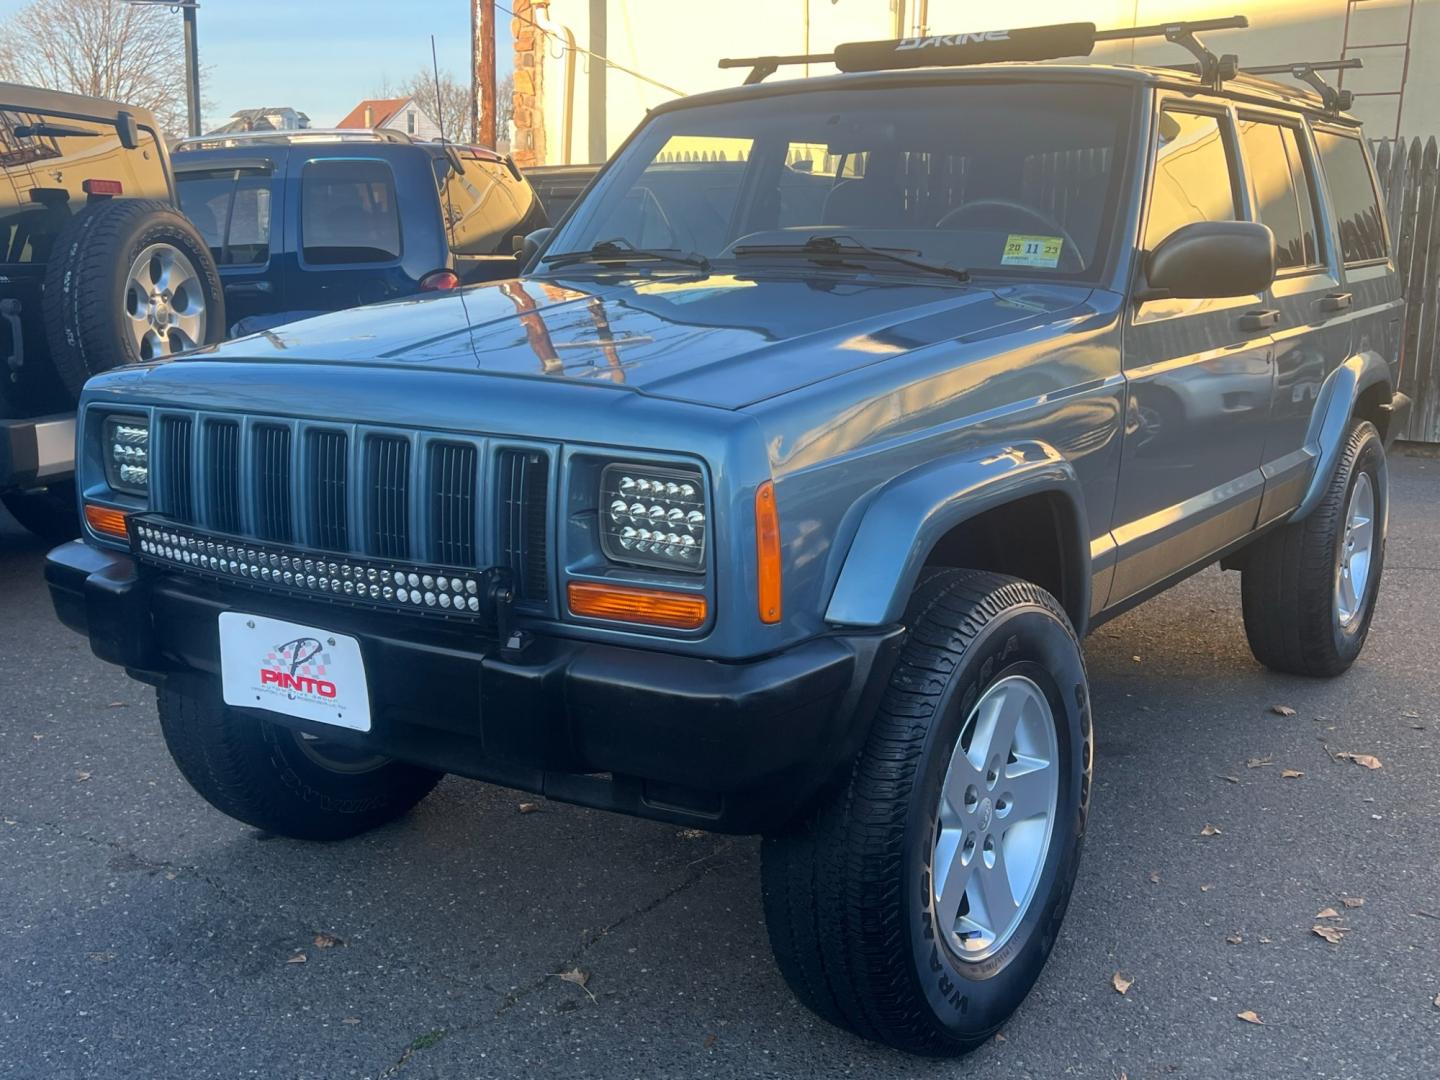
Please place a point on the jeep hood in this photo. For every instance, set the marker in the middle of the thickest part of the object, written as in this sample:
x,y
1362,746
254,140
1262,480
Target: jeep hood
x,y
721,340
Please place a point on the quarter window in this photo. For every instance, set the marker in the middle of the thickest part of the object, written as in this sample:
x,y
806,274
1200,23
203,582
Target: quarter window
x,y
1282,191
231,208
1194,177
348,213
1352,196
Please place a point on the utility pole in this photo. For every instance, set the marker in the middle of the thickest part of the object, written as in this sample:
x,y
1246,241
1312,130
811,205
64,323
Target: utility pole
x,y
192,56
482,65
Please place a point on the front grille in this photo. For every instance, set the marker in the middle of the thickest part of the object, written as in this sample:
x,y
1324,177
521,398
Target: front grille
x,y
388,480
443,501
329,471
524,482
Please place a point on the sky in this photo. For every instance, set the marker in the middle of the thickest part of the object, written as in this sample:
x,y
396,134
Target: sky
x,y
322,56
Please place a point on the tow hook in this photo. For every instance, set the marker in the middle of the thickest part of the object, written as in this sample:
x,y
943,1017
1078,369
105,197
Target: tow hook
x,y
501,594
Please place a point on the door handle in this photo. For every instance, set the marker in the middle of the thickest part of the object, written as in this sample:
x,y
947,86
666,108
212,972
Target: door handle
x,y
250,287
1335,301
1259,320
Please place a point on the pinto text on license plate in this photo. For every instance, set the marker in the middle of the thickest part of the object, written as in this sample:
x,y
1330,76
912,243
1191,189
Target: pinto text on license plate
x,y
297,670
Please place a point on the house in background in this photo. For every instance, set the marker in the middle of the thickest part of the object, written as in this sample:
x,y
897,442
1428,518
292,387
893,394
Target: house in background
x,y
276,118
392,114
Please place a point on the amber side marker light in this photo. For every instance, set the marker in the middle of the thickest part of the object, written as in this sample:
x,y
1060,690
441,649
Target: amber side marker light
x,y
767,553
623,603
107,522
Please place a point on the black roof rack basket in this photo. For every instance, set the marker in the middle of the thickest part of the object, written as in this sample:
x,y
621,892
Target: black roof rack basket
x,y
998,46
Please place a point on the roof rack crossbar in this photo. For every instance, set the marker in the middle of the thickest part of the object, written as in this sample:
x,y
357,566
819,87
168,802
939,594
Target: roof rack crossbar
x,y
1334,99
1022,44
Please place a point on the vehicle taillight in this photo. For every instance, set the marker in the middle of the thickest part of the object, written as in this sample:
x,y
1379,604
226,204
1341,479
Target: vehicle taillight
x,y
102,187
439,281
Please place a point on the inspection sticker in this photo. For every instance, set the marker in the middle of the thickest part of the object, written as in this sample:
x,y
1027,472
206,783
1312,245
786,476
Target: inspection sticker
x,y
1032,250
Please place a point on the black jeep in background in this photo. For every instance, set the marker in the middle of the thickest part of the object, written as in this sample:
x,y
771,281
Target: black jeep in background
x,y
97,269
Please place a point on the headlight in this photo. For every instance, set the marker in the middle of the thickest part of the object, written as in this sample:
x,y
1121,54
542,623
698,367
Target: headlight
x,y
653,517
127,454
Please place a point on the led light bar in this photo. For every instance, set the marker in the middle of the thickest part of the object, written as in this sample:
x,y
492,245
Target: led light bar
x,y
377,584
653,517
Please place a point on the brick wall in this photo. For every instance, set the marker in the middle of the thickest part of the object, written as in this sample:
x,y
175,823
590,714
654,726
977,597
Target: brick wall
x,y
529,104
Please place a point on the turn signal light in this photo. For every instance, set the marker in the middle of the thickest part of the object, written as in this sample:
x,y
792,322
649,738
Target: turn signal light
x,y
623,603
106,522
767,553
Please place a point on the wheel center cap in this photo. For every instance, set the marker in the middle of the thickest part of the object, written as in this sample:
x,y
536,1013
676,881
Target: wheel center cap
x,y
984,812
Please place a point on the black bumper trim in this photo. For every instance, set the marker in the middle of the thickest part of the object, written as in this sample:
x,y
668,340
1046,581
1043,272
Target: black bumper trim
x,y
737,747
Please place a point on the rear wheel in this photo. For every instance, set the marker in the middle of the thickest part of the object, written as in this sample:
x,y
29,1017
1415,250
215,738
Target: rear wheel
x,y
919,902
1308,589
279,779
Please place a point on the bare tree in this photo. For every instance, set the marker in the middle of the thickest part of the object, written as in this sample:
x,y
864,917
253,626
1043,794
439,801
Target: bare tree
x,y
504,106
450,108
99,48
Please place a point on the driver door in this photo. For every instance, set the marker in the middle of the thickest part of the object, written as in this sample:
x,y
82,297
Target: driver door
x,y
1199,374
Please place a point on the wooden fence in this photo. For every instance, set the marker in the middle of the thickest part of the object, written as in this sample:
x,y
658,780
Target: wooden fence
x,y
1410,178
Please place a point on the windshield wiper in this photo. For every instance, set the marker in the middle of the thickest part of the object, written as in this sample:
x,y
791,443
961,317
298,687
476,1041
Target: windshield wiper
x,y
622,251
824,248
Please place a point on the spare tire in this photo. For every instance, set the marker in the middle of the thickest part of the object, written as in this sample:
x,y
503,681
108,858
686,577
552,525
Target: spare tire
x,y
129,280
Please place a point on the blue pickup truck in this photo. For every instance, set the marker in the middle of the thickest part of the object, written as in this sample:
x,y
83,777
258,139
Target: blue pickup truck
x,y
777,494
304,222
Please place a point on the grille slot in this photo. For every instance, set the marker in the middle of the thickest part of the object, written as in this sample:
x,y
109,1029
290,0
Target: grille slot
x,y
388,477
452,504
222,466
177,492
273,517
524,497
328,478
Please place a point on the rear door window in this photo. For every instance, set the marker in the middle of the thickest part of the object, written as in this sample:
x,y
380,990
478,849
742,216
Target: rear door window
x,y
1352,197
231,208
1194,175
1282,191
348,212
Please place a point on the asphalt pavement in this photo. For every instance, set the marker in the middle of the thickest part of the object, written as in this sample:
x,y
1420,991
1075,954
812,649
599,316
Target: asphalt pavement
x,y
142,934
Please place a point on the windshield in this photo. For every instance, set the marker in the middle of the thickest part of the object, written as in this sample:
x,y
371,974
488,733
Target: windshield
x,y
998,178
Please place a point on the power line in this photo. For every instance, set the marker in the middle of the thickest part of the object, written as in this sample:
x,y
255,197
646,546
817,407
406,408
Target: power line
x,y
594,55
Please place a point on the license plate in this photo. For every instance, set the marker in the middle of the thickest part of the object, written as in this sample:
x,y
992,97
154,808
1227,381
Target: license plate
x,y
292,669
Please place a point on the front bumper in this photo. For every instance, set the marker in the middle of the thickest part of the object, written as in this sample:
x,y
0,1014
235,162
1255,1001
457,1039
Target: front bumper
x,y
732,747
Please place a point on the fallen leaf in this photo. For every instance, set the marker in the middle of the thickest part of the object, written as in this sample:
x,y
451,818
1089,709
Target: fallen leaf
x,y
1234,939
1282,710
116,705
1121,982
578,977
351,1020
298,958
1290,774
1264,941
1353,901
1154,877
1206,888
1228,779
1209,830
1369,761
1250,1016
1332,934
528,807
1437,1001
1136,659
1328,913
170,875
1259,762
999,1036
691,834
1409,714
80,778
710,1041
327,941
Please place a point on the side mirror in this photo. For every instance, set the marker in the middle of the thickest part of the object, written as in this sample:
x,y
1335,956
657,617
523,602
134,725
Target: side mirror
x,y
531,246
1210,259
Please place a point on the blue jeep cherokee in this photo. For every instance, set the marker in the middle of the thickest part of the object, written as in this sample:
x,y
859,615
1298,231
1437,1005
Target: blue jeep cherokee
x,y
778,500
305,222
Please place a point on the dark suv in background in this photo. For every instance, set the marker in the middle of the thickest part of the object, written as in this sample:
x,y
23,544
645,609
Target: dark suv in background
x,y
97,268
312,221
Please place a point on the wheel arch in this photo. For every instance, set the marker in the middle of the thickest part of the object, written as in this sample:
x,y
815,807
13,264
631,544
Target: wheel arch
x,y
1015,509
1361,387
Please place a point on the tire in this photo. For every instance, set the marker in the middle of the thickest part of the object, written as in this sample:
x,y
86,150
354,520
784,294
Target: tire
x,y
1298,616
47,512
89,299
268,776
848,899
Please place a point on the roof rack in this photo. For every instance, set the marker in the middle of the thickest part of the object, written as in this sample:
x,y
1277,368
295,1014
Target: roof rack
x,y
1334,99
220,140
992,46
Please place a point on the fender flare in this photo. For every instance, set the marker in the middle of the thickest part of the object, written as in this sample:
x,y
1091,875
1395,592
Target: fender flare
x,y
1330,421
907,518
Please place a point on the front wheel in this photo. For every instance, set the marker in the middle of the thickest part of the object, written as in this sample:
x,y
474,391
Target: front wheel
x,y
48,512
919,902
